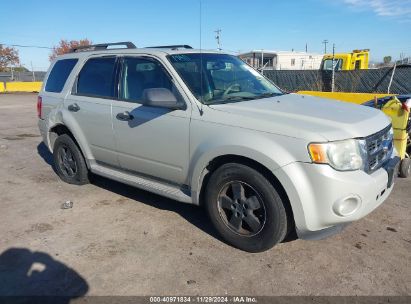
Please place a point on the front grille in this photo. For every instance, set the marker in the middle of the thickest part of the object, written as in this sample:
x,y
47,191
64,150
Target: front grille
x,y
379,148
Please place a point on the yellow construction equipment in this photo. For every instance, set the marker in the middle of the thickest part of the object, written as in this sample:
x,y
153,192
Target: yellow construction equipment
x,y
356,60
397,107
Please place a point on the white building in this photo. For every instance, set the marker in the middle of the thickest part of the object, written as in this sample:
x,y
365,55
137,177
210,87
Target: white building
x,y
282,60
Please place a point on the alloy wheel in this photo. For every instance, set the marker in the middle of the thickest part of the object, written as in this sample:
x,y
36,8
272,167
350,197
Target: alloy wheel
x,y
67,162
241,208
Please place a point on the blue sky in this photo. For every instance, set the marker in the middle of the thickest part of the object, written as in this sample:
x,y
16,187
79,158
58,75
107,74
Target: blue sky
x,y
384,26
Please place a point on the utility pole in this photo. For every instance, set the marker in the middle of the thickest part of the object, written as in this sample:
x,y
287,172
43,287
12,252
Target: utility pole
x,y
32,70
306,47
218,38
325,45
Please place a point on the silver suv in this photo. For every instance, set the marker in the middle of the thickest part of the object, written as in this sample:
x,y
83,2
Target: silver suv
x,y
204,128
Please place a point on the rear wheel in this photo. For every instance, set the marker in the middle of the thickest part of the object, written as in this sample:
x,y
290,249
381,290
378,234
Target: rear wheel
x,y
245,208
405,168
69,161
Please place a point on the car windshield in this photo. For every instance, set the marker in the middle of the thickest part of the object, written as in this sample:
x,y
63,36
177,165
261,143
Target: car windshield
x,y
221,78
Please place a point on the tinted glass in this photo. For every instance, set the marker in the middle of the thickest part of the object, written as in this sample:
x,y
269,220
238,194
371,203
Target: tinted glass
x,y
215,78
97,78
59,74
140,74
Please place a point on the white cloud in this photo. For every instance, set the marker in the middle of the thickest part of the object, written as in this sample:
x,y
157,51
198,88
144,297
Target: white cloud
x,y
385,8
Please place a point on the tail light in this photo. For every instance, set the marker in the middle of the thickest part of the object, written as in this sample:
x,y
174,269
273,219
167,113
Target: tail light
x,y
39,106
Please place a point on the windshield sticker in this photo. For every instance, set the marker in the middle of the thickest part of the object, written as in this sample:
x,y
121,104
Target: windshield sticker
x,y
181,58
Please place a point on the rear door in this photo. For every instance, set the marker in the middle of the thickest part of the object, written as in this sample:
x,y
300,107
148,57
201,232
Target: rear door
x,y
90,105
155,140
51,93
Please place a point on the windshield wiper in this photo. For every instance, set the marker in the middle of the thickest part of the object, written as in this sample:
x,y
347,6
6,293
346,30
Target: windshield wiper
x,y
267,95
231,99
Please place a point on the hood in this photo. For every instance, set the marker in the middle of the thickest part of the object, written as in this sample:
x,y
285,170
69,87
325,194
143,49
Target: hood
x,y
305,117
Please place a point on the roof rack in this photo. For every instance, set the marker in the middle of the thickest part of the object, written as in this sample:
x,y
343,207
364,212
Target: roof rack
x,y
102,46
173,47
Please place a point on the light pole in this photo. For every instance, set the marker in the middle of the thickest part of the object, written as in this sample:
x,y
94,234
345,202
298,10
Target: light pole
x,y
325,45
32,70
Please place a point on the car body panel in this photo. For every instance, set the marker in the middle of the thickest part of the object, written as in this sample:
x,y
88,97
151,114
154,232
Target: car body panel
x,y
172,149
94,119
313,118
155,142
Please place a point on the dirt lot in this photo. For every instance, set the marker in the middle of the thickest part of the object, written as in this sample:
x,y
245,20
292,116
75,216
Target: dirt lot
x,y
117,240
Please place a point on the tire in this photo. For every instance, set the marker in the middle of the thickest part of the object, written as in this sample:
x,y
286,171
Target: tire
x,y
236,193
69,162
405,168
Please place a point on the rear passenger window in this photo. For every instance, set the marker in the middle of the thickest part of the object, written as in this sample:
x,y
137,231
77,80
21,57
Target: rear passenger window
x,y
96,78
59,74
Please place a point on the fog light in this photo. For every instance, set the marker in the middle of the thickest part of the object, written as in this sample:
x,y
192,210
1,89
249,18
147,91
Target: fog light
x,y
347,205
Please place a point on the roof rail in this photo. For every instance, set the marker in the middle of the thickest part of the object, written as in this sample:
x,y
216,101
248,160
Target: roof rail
x,y
173,47
102,46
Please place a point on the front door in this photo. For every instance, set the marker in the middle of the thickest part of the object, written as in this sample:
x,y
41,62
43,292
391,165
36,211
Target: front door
x,y
151,141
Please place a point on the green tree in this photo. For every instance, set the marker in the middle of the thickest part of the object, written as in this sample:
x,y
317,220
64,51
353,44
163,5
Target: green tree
x,y
387,59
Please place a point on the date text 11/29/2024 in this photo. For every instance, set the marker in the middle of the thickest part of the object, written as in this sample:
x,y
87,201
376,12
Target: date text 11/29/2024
x,y
203,299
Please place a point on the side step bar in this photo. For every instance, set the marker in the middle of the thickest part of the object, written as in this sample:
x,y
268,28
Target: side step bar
x,y
167,190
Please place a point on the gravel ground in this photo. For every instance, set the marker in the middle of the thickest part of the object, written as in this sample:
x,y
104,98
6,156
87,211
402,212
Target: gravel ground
x,y
117,240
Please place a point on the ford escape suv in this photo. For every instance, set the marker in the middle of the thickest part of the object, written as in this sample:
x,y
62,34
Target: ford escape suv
x,y
204,128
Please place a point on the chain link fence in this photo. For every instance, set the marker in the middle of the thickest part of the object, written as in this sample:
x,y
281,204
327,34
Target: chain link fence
x,y
384,80
21,76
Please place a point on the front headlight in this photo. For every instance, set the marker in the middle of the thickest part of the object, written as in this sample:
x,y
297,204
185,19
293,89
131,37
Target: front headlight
x,y
344,155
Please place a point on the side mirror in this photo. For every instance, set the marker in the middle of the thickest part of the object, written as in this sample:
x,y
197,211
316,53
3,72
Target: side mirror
x,y
162,98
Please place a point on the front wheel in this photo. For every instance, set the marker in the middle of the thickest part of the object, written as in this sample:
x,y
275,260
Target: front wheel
x,y
245,208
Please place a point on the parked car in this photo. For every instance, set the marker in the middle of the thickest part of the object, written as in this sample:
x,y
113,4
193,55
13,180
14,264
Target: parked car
x,y
204,128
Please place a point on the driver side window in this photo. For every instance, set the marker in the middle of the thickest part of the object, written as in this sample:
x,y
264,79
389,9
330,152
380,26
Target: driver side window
x,y
139,74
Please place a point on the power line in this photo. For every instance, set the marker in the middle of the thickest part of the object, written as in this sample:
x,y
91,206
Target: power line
x,y
27,46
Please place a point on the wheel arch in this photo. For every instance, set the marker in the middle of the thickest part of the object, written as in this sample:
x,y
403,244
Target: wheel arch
x,y
60,129
56,131
220,160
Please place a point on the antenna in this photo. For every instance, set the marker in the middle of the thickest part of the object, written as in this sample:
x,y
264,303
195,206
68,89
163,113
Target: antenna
x,y
201,21
201,60
218,38
333,71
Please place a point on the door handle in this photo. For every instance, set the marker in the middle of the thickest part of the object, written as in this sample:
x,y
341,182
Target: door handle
x,y
73,107
125,116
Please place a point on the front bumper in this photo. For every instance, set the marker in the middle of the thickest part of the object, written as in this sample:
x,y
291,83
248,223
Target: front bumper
x,y
325,200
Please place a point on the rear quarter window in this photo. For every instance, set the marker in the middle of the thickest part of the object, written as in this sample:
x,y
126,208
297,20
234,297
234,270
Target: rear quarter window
x,y
59,74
